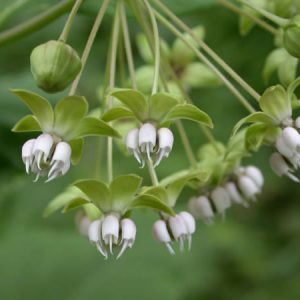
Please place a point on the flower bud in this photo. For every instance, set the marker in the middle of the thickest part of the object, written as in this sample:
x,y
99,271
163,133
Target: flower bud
x,y
248,187
291,37
221,199
201,207
54,66
255,174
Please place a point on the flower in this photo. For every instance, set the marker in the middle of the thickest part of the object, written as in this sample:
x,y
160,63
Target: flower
x,y
234,194
178,228
110,231
45,157
221,200
142,143
200,207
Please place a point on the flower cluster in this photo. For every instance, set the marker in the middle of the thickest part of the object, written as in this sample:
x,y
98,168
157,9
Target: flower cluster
x,y
142,143
246,185
178,228
111,231
46,156
287,158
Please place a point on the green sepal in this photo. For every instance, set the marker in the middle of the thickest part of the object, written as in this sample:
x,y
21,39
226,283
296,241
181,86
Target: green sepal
x,y
117,113
123,190
68,112
257,117
76,146
276,103
89,126
134,100
150,201
28,123
189,112
39,107
160,104
75,203
63,199
255,136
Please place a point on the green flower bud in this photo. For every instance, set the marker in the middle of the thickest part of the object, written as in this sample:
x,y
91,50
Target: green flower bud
x,y
291,37
54,65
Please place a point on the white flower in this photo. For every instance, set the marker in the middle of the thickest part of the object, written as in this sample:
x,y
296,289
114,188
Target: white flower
x,y
60,162
220,199
281,167
234,194
201,207
180,228
165,141
42,156
132,144
248,187
147,139
111,231
27,154
255,174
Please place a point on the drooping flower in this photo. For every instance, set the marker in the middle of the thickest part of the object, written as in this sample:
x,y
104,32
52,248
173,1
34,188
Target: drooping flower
x,y
220,199
165,144
177,228
200,207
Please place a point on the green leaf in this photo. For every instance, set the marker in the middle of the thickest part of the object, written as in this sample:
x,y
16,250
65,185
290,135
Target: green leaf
x,y
117,113
189,112
160,104
123,190
276,103
287,71
257,117
255,135
76,146
134,100
89,126
149,201
67,114
28,123
75,203
159,192
63,199
97,192
39,106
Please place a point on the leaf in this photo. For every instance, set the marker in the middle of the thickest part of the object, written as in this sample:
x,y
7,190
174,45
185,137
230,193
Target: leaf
x,y
276,103
62,200
117,113
89,126
39,106
75,203
159,192
67,114
28,123
123,190
134,100
255,135
160,104
76,146
189,112
96,191
150,201
257,117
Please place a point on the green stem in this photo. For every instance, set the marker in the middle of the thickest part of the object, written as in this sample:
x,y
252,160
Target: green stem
x,y
199,54
112,76
239,11
127,45
209,51
89,44
66,31
156,47
152,173
36,23
276,19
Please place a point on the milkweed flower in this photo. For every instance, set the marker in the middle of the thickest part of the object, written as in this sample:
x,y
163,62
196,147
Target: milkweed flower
x,y
46,157
110,232
176,228
147,142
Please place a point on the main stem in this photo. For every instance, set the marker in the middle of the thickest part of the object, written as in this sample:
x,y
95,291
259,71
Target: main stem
x,y
226,82
65,33
239,11
112,76
89,44
209,51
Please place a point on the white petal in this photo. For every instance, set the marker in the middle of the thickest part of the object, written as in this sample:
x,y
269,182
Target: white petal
x,y
221,200
132,139
147,136
297,122
248,187
283,148
291,138
128,229
160,231
94,231
165,139
110,229
201,207
177,227
84,225
62,153
43,144
27,150
189,222
234,194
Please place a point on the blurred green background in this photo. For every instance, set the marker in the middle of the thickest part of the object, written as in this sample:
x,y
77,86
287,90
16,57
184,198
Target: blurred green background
x,y
254,254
